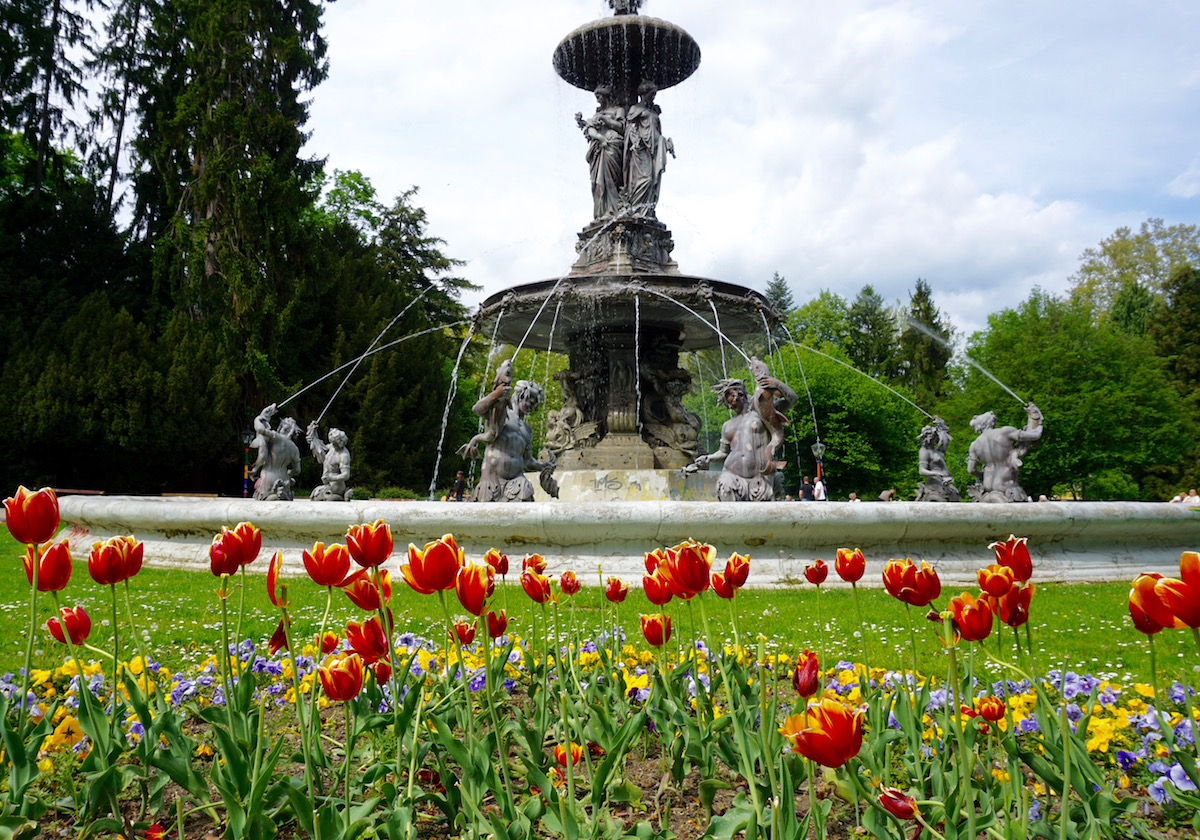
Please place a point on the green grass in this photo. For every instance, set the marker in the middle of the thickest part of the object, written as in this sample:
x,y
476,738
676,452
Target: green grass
x,y
1084,625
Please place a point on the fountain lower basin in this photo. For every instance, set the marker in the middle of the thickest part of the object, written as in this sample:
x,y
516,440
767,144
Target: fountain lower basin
x,y
1069,541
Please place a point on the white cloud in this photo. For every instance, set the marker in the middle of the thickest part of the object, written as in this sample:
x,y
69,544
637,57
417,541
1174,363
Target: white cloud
x,y
1187,183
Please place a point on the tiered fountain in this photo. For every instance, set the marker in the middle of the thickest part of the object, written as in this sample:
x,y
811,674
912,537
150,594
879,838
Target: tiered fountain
x,y
623,314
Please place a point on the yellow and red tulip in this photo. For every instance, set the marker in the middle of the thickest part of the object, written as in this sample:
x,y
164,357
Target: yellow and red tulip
x,y
1144,600
850,564
657,629
474,585
806,678
1014,553
273,592
327,565
911,585
720,585
53,566
76,622
534,563
367,639
31,517
464,632
615,590
816,572
990,708
1013,606
737,570
341,676
826,732
497,623
687,568
897,803
561,751
363,593
230,550
278,639
996,580
1182,597
972,617
536,586
435,567
658,591
568,582
115,560
369,545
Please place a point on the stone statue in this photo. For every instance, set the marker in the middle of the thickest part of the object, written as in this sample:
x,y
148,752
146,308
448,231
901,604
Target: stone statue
x,y
996,454
605,133
646,153
278,462
665,421
494,419
334,459
624,7
569,428
509,452
749,438
939,484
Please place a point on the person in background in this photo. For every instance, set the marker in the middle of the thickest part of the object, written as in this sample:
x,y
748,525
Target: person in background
x,y
806,490
887,495
460,485
854,497
819,490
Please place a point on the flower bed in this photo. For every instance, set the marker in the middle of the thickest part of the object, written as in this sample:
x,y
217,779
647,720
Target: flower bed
x,y
550,730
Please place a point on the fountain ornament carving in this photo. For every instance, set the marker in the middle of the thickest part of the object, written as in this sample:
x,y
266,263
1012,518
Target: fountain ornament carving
x,y
624,311
996,454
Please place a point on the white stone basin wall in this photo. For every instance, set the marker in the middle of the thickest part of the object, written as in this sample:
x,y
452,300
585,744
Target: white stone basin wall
x,y
1069,541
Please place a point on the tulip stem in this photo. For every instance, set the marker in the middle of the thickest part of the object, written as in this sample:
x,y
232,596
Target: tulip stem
x,y
116,644
314,714
241,614
223,594
964,757
469,724
822,664
501,746
33,591
814,807
349,761
385,618
304,745
145,649
933,832
862,636
1064,813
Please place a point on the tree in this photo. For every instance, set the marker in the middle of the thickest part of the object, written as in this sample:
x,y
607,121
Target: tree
x,y
1147,257
1112,416
871,341
1134,308
923,355
824,320
779,295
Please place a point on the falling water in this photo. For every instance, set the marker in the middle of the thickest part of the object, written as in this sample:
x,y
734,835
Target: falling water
x,y
860,373
355,361
549,350
450,394
922,328
717,320
637,365
716,329
703,401
391,323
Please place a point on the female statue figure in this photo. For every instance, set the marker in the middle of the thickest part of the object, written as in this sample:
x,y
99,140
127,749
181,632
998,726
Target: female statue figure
x,y
605,132
645,153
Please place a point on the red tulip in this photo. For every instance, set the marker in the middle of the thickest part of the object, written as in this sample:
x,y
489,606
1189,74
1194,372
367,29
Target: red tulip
x,y
910,585
806,678
154,831
658,591
568,583
655,559
342,677
657,629
54,566
850,565
474,585
329,642
687,568
737,570
382,670
367,639
1182,597
1013,606
464,632
278,639
230,550
1144,598
497,560
75,620
561,751
433,568
533,563
363,593
497,623
536,586
996,580
972,618
273,593
615,590
369,545
990,708
826,732
115,560
327,565
721,586
897,803
32,518
816,572
1014,554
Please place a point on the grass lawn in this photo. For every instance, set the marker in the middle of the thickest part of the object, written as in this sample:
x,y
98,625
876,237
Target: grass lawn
x,y
1084,625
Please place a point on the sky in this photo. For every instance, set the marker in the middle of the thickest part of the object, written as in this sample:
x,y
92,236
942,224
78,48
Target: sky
x,y
979,145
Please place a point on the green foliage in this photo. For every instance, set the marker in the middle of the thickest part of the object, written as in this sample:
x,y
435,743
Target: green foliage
x,y
823,320
924,351
1147,258
1105,394
871,341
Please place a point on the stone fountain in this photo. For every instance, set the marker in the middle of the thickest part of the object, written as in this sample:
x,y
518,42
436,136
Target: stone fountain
x,y
623,317
625,311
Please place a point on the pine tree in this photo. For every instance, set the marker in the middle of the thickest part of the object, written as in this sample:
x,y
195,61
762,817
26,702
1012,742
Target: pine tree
x,y
871,343
924,352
